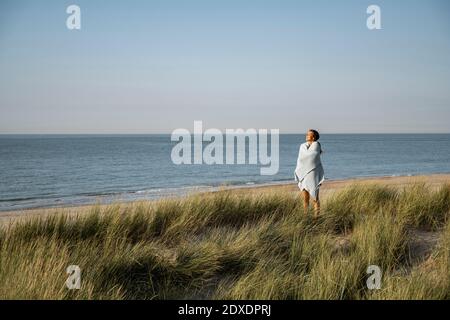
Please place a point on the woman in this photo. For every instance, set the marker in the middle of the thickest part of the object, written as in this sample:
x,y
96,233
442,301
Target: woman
x,y
309,172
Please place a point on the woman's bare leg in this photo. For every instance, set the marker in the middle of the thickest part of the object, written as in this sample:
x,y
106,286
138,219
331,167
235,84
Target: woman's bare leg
x,y
316,203
305,201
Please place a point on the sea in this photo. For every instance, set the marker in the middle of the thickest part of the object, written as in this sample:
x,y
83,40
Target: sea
x,y
39,171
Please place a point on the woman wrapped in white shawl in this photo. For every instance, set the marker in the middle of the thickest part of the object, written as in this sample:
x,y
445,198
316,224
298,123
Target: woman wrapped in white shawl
x,y
309,171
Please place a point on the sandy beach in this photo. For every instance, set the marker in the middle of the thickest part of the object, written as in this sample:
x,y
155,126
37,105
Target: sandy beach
x,y
329,186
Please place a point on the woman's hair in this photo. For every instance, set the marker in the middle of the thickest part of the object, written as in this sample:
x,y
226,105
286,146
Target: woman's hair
x,y
316,137
316,134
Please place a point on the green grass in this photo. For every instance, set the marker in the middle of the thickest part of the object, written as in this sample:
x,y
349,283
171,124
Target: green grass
x,y
234,245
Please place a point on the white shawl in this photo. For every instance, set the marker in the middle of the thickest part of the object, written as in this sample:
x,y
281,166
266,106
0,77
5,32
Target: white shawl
x,y
309,171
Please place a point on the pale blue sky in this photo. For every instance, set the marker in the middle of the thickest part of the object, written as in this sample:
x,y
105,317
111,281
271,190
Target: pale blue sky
x,y
154,66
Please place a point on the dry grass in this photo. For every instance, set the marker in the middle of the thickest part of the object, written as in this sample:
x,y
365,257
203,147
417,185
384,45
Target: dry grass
x,y
228,245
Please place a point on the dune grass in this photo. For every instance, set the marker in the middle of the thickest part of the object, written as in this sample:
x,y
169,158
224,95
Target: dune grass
x,y
232,245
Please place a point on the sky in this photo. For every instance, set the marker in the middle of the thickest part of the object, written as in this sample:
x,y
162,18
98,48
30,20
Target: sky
x,y
155,66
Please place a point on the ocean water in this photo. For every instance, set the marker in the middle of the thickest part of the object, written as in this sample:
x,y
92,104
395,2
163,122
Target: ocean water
x,y
56,170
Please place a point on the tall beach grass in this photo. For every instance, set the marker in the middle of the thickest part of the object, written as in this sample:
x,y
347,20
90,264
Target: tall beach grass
x,y
232,245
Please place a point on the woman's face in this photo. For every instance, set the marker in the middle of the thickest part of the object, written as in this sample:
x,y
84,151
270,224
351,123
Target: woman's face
x,y
309,136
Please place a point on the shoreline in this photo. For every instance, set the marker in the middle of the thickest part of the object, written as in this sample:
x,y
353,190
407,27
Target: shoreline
x,y
328,187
